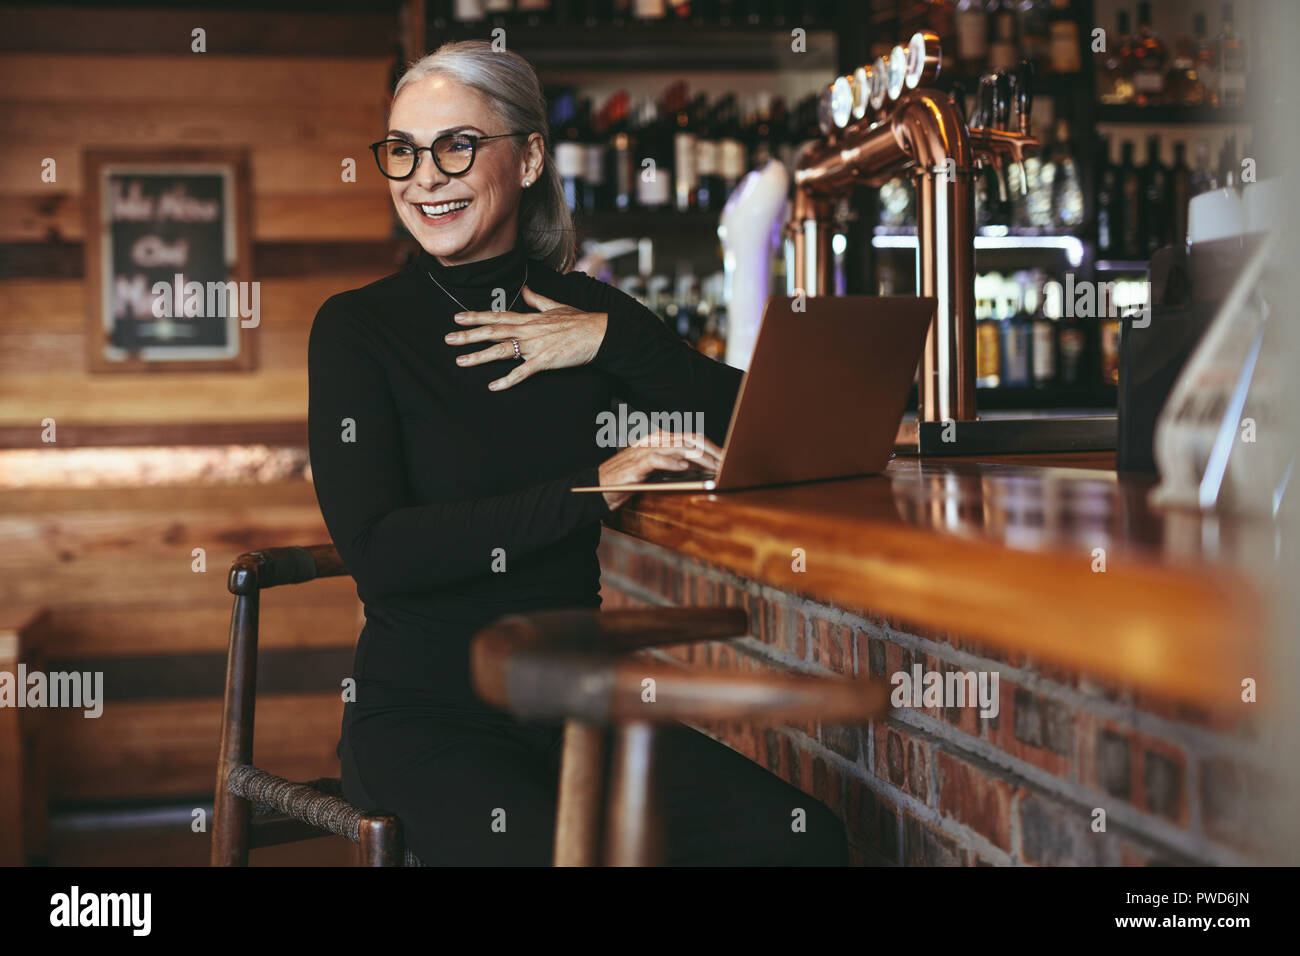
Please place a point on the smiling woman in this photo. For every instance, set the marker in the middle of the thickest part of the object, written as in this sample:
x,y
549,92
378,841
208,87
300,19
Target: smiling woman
x,y
446,431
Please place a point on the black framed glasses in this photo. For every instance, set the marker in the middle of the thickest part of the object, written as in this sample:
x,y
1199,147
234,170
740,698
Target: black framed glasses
x,y
452,153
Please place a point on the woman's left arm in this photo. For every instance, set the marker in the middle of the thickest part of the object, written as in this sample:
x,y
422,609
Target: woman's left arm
x,y
617,334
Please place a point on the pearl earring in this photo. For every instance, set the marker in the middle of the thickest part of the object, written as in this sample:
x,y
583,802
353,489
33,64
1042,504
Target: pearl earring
x,y
528,182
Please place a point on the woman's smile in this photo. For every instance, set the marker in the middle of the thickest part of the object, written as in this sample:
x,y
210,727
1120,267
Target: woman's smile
x,y
440,213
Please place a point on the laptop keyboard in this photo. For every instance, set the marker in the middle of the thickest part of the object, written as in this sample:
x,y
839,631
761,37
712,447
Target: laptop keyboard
x,y
686,474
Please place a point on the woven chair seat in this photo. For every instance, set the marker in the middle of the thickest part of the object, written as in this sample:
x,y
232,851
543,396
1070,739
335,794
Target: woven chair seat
x,y
319,802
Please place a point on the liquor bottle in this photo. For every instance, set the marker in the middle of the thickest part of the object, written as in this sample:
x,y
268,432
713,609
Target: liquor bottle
x,y
1183,86
654,159
621,155
1130,200
988,338
1004,51
1017,337
1203,179
1228,164
1032,208
569,150
1066,186
1042,333
1154,214
1035,32
1232,62
731,151
1180,194
1109,331
708,180
676,108
595,192
1063,44
1115,85
758,134
972,22
1205,56
1071,338
1109,213
680,9
1149,57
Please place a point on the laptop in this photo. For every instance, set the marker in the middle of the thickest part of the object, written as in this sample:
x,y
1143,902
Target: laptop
x,y
822,398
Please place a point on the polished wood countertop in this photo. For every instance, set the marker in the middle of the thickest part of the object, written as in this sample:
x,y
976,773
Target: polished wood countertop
x,y
1007,551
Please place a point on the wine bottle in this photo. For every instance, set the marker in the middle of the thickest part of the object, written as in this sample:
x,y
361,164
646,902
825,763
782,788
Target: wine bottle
x,y
1115,84
709,194
1109,212
595,194
1180,194
654,172
1130,201
621,155
1067,189
972,22
1149,57
566,139
1154,215
1232,62
675,105
1043,344
1017,347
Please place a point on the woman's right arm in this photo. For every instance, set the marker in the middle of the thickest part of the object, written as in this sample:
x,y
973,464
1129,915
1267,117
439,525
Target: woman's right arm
x,y
388,542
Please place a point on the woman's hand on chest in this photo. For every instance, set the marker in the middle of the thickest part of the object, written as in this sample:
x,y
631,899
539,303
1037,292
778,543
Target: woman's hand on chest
x,y
556,336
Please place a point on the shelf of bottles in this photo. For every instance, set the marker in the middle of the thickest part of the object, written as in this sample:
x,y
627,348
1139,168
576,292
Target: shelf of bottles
x,y
1086,206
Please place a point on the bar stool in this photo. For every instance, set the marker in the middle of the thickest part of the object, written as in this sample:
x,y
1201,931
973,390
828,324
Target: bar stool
x,y
578,666
253,808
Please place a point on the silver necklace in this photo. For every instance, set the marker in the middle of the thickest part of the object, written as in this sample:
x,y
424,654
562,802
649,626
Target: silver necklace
x,y
465,308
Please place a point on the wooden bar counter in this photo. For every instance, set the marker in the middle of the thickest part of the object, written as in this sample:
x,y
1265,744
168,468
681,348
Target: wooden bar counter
x,y
1055,556
1124,642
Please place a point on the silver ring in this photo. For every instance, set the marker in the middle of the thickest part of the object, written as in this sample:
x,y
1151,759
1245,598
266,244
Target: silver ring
x,y
518,354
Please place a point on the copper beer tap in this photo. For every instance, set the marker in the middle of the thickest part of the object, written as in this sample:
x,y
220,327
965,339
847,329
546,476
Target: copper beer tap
x,y
924,133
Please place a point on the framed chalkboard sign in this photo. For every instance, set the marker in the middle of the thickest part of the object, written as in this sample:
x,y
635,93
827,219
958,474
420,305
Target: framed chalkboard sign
x,y
169,261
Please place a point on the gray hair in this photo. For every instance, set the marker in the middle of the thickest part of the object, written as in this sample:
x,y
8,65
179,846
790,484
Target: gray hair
x,y
510,84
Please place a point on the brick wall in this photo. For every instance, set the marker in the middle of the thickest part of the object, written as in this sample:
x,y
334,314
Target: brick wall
x,y
945,786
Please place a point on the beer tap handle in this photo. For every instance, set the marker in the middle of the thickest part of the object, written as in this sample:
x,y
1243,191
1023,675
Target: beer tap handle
x,y
1001,100
1024,95
984,96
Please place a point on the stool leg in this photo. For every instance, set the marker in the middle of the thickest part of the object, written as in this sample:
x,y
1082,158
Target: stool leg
x,y
581,799
633,832
381,841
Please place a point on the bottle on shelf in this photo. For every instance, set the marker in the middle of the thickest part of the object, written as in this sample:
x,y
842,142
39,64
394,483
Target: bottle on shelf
x,y
1153,213
676,107
1205,56
649,9
971,20
1017,334
1183,86
1228,164
1071,337
1043,344
1109,212
1203,178
569,149
731,150
1115,82
1063,45
654,159
1067,209
1231,76
621,155
1149,56
1130,194
1004,50
1180,194
468,11
988,335
1108,327
1035,32
595,192
709,193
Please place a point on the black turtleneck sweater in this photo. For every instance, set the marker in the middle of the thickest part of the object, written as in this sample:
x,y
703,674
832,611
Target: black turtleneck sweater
x,y
449,503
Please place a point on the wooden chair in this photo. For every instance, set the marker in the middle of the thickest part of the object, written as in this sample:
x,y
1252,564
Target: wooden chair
x,y
24,806
253,808
579,666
